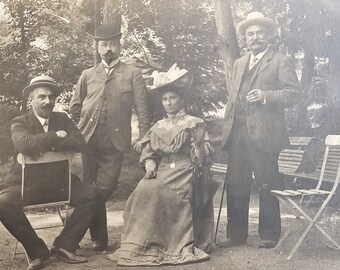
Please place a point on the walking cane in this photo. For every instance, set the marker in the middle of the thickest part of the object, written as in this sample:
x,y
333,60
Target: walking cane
x,y
220,210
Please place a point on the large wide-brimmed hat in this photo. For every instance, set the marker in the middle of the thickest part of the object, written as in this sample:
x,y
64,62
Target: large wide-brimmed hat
x,y
107,31
42,80
255,18
176,77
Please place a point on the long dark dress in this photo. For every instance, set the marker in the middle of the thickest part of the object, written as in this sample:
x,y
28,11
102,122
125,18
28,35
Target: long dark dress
x,y
158,215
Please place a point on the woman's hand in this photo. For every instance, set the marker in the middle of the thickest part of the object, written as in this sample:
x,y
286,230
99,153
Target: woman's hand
x,y
151,174
198,133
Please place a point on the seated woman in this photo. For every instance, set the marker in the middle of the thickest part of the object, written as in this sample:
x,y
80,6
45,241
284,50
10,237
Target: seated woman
x,y
159,215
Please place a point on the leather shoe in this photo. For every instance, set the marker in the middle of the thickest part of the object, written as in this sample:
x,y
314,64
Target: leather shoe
x,y
230,242
99,246
35,264
67,256
267,244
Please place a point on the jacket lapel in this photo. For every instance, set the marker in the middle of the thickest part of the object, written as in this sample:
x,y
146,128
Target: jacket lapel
x,y
243,64
117,71
264,63
36,125
54,124
100,71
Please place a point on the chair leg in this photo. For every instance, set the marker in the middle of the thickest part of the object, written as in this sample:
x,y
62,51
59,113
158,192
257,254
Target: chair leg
x,y
15,249
67,213
285,235
282,239
313,221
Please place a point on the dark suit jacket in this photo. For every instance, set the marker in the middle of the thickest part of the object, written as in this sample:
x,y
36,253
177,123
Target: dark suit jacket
x,y
276,76
123,88
30,139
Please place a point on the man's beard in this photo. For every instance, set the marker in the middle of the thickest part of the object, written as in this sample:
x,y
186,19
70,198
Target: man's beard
x,y
46,110
110,57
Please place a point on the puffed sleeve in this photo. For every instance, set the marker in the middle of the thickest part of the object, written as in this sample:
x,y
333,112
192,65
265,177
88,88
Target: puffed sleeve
x,y
147,152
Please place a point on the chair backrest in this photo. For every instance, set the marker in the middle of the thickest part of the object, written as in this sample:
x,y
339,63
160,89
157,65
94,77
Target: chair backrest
x,y
332,143
41,176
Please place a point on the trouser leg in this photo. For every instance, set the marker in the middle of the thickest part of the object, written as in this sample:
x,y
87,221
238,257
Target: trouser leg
x,y
16,222
84,199
267,177
239,180
102,164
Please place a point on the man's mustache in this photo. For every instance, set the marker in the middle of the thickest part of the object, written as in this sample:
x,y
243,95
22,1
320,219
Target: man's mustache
x,y
47,106
256,42
108,53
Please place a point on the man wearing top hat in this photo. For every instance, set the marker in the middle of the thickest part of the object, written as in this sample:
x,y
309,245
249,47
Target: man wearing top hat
x,y
34,133
254,131
102,106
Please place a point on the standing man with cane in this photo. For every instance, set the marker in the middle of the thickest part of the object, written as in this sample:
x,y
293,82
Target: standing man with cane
x,y
102,105
254,131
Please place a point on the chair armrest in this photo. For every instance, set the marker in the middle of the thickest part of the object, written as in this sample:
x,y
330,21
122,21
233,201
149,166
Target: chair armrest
x,y
46,157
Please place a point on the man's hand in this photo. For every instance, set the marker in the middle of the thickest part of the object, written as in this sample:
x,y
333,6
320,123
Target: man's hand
x,y
61,134
150,174
198,133
256,95
137,146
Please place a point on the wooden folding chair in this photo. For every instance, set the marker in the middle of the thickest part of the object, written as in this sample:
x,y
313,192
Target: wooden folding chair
x,y
47,157
289,197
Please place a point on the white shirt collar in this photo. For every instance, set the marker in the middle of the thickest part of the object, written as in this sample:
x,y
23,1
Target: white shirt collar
x,y
178,114
42,120
258,56
112,64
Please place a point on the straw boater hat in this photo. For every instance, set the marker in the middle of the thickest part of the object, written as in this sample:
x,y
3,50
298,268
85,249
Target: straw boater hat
x,y
42,80
176,77
256,18
107,31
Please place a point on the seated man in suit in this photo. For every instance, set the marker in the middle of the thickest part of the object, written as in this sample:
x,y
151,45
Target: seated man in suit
x,y
34,133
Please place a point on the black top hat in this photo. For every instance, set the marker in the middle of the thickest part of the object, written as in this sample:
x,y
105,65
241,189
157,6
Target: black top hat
x,y
42,80
107,31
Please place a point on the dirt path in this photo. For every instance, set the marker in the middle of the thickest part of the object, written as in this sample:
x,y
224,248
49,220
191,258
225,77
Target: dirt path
x,y
314,254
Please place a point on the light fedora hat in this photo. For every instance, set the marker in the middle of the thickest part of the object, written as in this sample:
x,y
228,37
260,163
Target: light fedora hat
x,y
42,80
255,18
107,31
179,78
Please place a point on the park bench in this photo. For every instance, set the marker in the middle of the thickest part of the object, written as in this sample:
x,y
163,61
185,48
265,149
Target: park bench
x,y
290,159
327,170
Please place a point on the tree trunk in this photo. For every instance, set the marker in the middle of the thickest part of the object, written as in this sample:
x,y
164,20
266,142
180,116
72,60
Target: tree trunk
x,y
96,20
226,37
112,13
333,89
305,85
23,51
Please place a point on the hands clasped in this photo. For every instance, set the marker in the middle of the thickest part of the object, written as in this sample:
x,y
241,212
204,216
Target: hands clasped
x,y
61,134
151,174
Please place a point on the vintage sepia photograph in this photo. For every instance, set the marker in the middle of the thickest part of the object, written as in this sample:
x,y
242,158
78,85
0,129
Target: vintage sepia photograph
x,y
180,135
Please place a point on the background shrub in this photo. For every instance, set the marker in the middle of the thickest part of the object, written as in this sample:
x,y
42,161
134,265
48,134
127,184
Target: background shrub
x,y
7,113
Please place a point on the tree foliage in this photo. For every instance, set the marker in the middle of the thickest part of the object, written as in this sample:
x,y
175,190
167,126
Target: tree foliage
x,y
157,34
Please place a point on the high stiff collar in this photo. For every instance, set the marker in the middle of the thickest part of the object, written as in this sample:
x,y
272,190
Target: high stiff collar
x,y
167,129
259,55
111,65
41,120
178,114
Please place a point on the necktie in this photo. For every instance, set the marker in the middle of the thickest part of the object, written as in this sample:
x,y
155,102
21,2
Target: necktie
x,y
45,125
253,63
108,70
